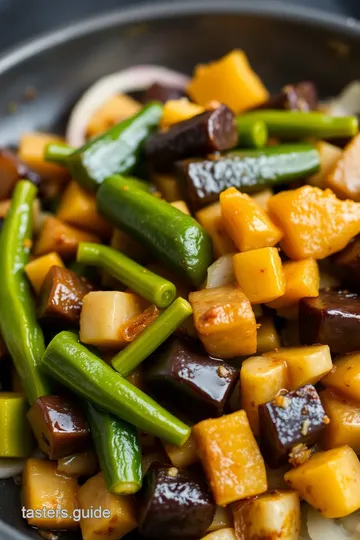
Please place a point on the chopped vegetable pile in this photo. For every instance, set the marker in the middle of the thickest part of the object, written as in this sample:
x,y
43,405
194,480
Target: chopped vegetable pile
x,y
180,311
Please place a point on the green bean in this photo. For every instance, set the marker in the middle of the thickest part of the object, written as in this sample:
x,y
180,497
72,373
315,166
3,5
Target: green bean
x,y
58,153
252,134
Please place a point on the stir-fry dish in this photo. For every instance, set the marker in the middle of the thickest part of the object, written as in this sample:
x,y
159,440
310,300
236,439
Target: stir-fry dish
x,y
180,311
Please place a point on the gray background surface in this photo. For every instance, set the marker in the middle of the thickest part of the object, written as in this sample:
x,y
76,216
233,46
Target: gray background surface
x,y
23,19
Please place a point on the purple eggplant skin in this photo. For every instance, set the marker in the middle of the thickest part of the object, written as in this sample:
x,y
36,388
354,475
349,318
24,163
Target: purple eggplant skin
x,y
301,96
290,419
347,263
162,92
210,131
174,503
12,169
333,318
181,375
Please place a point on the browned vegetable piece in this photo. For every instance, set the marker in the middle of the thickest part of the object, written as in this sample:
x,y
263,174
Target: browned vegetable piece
x,y
344,179
348,263
82,464
59,426
162,92
289,419
202,134
333,318
13,169
301,96
344,420
61,296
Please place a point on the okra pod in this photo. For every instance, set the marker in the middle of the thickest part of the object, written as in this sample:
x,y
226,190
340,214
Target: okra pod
x,y
73,365
58,153
252,134
152,337
156,289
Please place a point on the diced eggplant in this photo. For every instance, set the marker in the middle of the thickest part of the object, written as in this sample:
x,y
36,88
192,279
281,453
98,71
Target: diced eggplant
x,y
202,134
348,263
59,426
291,418
181,375
13,169
333,318
61,296
174,503
301,96
162,92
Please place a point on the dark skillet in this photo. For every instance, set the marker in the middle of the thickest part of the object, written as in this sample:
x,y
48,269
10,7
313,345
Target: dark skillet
x,y
284,43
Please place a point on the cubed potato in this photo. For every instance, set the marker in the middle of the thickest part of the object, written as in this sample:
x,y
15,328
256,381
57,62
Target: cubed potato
x,y
37,269
344,177
168,187
31,151
222,534
177,110
225,321
182,206
61,238
121,241
261,379
329,481
344,416
43,487
246,223
210,218
329,156
302,281
103,315
81,464
262,198
229,80
182,457
114,110
315,223
120,518
273,515
305,365
223,519
260,275
78,208
231,458
268,337
345,376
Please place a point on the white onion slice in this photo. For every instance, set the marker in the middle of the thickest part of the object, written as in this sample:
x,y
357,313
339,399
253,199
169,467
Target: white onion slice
x,y
10,467
352,523
221,272
348,101
320,528
127,80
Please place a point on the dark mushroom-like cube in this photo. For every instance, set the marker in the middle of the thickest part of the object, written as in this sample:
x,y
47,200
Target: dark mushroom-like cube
x,y
291,418
12,169
59,426
162,92
301,96
333,318
174,503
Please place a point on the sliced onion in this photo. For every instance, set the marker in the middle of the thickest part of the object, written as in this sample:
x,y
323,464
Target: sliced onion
x,y
352,523
221,272
320,528
10,467
128,80
347,103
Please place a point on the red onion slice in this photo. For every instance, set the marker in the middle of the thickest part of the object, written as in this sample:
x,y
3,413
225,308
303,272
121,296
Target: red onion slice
x,y
221,272
128,80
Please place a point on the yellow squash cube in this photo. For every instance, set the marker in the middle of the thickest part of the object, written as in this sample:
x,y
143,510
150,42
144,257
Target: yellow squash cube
x,y
329,481
261,379
344,426
31,151
168,186
103,315
247,224
120,518
315,223
37,269
177,110
182,206
262,198
114,110
44,487
305,365
78,208
231,458
268,337
211,219
345,376
259,274
224,321
229,80
302,281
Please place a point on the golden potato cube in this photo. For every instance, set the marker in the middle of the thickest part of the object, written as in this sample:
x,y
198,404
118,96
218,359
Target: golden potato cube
x,y
223,519
225,321
120,518
272,515
78,208
231,458
329,481
31,151
182,206
114,110
261,379
246,223
61,238
103,315
262,198
268,338
302,281
259,274
343,178
211,219
37,269
329,156
344,416
43,487
222,534
168,186
305,365
345,376
178,110
184,456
